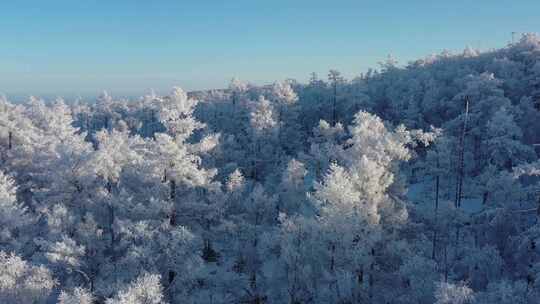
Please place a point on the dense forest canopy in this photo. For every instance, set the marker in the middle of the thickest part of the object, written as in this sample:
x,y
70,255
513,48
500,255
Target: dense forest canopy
x,y
414,184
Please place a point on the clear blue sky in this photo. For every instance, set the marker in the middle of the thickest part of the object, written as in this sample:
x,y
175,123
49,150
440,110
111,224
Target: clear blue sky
x,y
126,47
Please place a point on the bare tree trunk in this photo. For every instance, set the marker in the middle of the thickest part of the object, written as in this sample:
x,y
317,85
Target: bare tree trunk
x,y
172,222
459,183
172,197
112,216
334,104
153,123
371,281
446,262
10,140
371,278
280,122
234,105
437,180
457,235
332,259
538,210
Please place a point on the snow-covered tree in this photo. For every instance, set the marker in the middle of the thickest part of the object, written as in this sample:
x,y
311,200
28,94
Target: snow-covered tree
x,y
262,194
504,146
76,296
144,290
21,282
14,217
448,293
293,187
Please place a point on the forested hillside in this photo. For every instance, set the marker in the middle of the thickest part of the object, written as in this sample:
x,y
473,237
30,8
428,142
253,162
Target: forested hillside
x,y
407,184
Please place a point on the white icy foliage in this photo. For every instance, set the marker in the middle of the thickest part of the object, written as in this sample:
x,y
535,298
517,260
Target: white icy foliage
x,y
116,149
146,289
338,191
235,181
76,296
360,186
21,282
263,117
176,114
283,94
65,252
449,293
13,215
